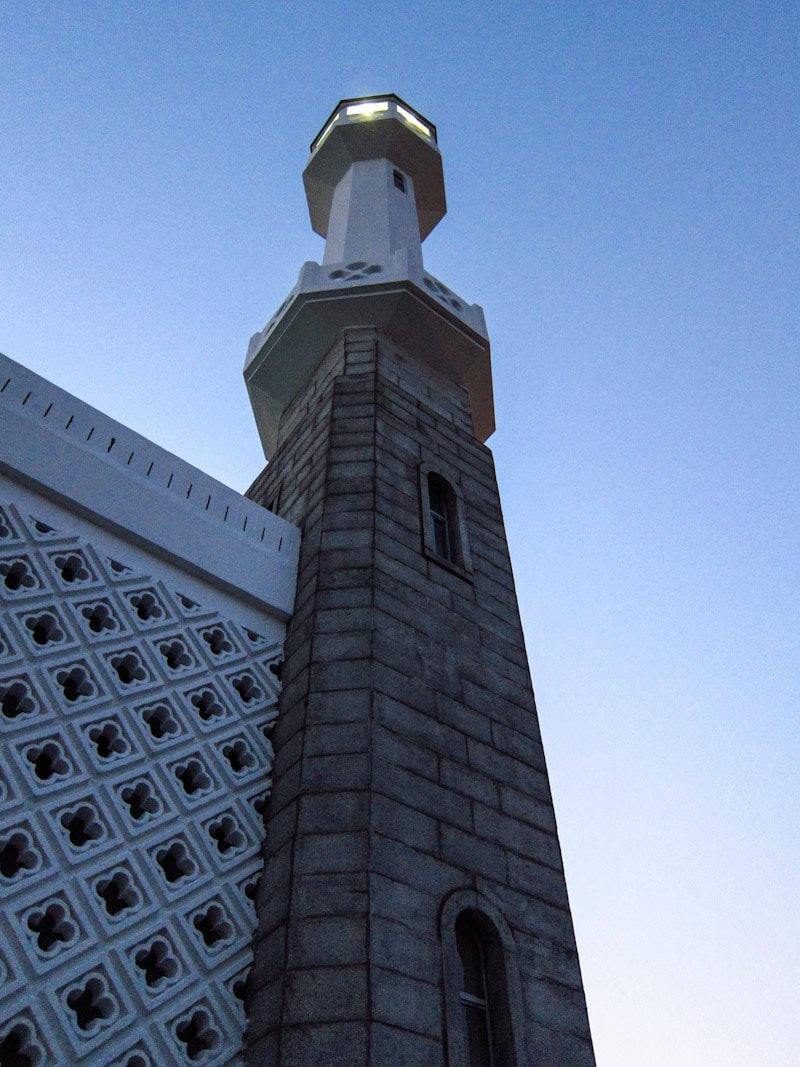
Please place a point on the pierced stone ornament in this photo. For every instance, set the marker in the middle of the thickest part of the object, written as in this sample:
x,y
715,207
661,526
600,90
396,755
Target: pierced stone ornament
x,y
98,656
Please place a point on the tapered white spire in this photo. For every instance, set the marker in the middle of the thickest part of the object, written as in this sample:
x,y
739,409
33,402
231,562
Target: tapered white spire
x,y
373,216
375,190
374,182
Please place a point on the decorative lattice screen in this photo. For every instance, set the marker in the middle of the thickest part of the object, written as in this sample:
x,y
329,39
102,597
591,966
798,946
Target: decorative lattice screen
x,y
135,759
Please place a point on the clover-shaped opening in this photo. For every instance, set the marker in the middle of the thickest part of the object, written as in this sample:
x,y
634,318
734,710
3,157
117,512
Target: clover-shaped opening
x,y
45,629
140,800
129,668
175,862
17,854
52,926
156,963
217,641
246,687
92,1004
82,825
19,1047
226,834
198,1034
147,607
160,721
48,761
239,756
17,575
73,568
118,893
213,925
206,705
100,618
75,684
108,740
193,777
176,655
16,699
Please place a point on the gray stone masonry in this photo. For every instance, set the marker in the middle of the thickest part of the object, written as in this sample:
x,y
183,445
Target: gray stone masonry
x,y
409,763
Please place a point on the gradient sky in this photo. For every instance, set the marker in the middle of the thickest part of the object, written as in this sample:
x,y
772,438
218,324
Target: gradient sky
x,y
623,184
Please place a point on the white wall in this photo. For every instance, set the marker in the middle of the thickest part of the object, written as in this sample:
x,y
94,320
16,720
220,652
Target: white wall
x,y
140,627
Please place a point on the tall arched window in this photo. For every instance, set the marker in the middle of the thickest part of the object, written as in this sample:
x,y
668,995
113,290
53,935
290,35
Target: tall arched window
x,y
473,996
484,1013
444,529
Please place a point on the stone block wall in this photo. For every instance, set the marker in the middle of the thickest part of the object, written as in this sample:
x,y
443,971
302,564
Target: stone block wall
x,y
409,769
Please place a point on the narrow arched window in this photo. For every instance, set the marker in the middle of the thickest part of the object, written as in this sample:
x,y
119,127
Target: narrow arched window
x,y
444,529
483,995
443,517
474,996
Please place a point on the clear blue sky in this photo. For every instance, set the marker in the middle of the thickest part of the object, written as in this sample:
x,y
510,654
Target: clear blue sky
x,y
623,187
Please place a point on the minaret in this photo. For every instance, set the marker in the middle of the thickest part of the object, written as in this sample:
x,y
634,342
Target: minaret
x,y
413,908
375,191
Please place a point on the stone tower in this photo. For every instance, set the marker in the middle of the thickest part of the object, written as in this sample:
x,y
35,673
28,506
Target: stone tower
x,y
413,910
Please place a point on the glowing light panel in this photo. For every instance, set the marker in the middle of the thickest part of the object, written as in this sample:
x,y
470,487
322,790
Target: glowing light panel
x,y
370,107
412,120
325,132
